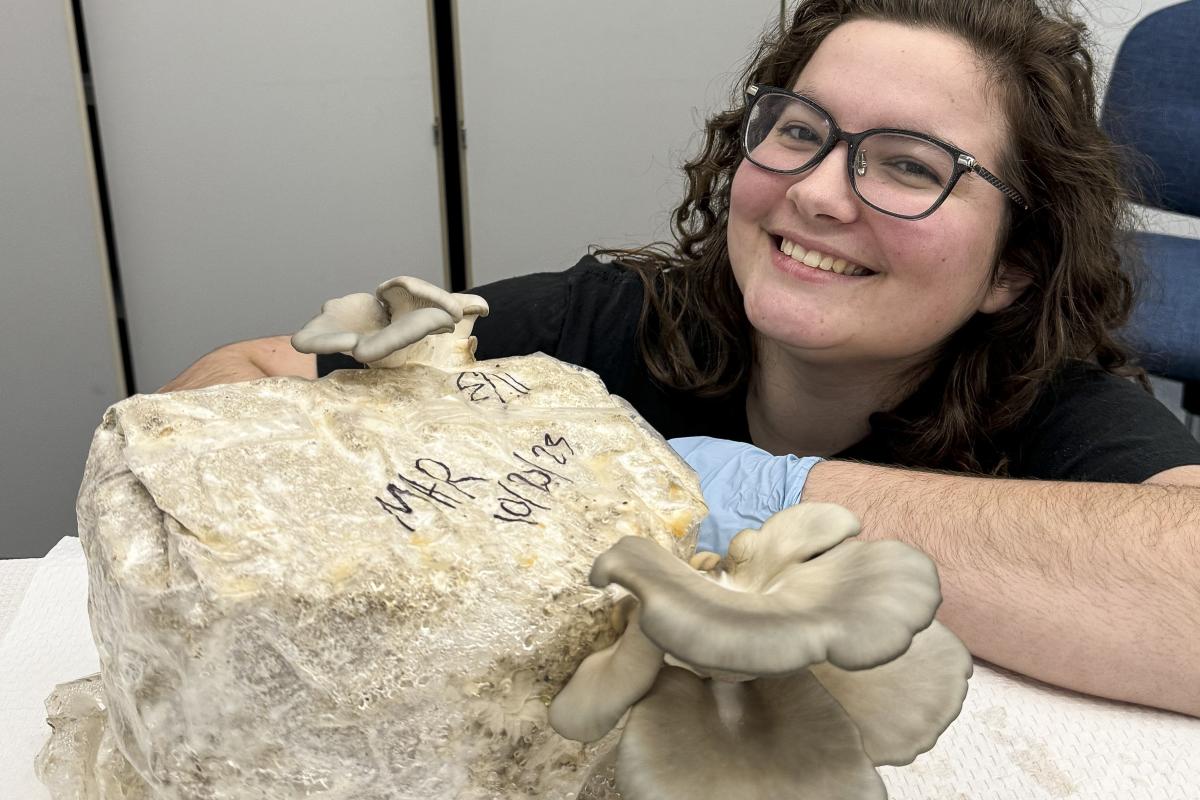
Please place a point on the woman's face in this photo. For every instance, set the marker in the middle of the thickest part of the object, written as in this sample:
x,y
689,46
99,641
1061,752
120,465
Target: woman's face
x,y
928,276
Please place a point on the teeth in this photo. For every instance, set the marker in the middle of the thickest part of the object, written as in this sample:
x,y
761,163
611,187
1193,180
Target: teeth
x,y
819,260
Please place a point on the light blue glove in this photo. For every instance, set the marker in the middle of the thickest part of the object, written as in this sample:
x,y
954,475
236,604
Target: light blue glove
x,y
743,485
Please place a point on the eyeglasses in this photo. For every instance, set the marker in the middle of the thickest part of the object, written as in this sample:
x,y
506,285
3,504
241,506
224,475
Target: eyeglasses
x,y
902,173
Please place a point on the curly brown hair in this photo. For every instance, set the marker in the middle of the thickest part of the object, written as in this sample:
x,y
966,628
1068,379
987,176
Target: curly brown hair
x,y
986,376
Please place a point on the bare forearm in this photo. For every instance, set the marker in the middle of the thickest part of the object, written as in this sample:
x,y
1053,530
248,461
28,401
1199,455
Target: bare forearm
x,y
1094,587
245,361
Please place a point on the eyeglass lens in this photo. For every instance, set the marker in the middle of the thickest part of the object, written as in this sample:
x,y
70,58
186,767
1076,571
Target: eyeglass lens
x,y
897,173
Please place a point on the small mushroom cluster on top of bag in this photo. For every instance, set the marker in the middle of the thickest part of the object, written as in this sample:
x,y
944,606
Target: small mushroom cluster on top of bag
x,y
802,662
398,324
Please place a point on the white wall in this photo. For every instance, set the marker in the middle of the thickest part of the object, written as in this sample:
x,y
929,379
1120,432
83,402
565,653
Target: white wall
x,y
262,157
580,114
59,365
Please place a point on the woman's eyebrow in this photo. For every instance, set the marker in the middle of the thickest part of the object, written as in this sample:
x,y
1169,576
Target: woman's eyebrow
x,y
901,123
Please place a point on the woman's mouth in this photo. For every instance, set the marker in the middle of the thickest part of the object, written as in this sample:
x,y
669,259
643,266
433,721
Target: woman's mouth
x,y
818,260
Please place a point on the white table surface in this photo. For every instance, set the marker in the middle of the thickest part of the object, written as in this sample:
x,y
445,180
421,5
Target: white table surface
x,y
15,575
1015,739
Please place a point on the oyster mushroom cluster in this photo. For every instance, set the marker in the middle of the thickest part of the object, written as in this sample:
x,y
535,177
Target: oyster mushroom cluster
x,y
399,324
797,665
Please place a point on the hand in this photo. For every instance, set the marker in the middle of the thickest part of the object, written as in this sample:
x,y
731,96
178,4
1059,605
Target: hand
x,y
245,361
743,485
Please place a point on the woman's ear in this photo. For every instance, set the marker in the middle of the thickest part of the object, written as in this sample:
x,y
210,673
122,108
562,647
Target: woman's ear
x,y
1007,287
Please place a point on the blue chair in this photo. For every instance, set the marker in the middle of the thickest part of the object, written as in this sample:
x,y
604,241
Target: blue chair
x,y
1153,107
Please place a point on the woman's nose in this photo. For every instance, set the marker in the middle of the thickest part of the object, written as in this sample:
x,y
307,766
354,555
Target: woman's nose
x,y
825,190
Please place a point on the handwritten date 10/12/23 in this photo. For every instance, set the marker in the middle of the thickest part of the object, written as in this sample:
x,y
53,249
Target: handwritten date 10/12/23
x,y
516,497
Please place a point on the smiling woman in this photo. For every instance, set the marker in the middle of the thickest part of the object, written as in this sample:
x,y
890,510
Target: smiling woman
x,y
898,252
927,314
930,274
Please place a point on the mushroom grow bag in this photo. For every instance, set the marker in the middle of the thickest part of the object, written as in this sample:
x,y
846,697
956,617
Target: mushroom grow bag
x,y
362,587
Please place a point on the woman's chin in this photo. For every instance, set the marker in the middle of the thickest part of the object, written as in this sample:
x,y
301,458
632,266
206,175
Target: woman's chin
x,y
803,341
792,322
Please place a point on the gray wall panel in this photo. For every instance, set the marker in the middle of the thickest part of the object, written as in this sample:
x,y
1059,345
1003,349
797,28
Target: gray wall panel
x,y
262,157
579,115
58,350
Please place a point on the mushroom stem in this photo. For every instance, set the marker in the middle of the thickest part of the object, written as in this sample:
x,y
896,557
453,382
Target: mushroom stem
x,y
763,740
606,684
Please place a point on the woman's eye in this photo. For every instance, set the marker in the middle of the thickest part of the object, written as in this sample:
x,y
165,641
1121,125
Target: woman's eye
x,y
798,132
915,170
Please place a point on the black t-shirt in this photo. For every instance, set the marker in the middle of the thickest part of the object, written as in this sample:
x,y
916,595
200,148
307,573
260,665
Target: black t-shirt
x,y
1088,425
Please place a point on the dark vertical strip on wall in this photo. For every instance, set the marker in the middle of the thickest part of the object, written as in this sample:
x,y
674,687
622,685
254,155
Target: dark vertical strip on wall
x,y
110,241
447,89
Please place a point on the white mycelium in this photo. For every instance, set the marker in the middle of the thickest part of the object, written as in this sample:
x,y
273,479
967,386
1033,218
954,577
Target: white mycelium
x,y
367,586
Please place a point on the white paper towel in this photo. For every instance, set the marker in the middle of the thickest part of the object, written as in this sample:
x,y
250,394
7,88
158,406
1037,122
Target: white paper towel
x,y
1016,739
48,642
15,576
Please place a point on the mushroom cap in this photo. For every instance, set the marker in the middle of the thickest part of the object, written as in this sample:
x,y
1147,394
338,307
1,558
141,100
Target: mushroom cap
x,y
406,293
606,684
404,329
793,535
777,610
766,739
903,706
342,321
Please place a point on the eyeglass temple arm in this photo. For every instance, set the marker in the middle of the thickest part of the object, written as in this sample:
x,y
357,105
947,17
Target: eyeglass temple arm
x,y
974,166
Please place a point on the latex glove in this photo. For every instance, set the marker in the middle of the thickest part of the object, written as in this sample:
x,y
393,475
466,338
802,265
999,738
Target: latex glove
x,y
743,485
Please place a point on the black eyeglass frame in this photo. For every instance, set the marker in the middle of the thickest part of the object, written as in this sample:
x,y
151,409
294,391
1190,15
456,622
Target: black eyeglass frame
x,y
964,162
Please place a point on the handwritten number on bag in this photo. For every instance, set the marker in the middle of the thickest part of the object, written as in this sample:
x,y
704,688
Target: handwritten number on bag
x,y
539,451
489,386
